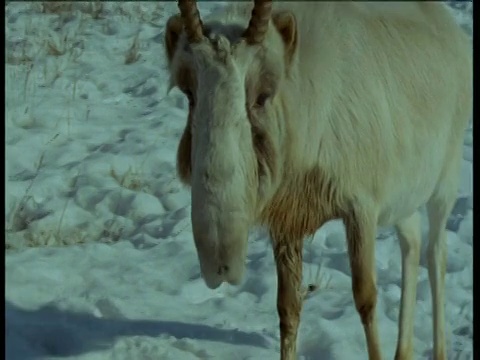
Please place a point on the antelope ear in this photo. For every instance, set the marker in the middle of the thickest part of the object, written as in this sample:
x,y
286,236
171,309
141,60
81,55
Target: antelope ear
x,y
286,25
173,30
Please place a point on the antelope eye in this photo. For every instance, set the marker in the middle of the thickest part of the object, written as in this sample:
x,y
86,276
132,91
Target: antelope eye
x,y
262,99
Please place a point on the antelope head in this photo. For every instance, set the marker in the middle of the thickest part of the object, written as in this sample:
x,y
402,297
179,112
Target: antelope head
x,y
231,150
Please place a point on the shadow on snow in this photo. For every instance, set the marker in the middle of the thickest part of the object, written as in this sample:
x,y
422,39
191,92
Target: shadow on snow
x,y
49,331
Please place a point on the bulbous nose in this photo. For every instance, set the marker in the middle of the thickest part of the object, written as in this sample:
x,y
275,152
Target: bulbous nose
x,y
223,270
221,243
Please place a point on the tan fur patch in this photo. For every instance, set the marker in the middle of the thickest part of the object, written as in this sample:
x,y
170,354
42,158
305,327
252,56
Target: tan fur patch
x,y
302,205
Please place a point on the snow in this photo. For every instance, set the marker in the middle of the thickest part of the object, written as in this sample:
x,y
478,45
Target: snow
x,y
100,261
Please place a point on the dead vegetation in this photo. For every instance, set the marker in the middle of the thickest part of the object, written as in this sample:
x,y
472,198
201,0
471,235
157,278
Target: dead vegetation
x,y
132,54
130,179
93,8
45,44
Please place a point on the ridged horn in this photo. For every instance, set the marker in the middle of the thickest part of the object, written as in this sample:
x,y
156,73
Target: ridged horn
x,y
191,20
258,25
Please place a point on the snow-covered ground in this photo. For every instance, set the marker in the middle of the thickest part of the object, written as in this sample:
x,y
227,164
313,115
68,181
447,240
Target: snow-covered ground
x,y
100,261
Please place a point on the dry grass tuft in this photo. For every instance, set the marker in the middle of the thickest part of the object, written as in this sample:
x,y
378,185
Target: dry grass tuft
x,y
30,238
132,54
130,180
56,7
11,59
321,282
113,231
93,8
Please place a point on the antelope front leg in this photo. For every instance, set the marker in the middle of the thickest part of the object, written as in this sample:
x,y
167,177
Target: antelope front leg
x,y
361,250
288,257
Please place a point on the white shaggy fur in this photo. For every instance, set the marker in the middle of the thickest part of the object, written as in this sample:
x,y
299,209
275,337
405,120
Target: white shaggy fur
x,y
368,106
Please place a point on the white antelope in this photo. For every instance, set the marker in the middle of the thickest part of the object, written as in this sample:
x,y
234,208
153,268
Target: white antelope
x,y
305,112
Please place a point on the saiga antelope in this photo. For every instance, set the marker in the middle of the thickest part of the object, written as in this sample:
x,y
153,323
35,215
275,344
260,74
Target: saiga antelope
x,y
304,112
